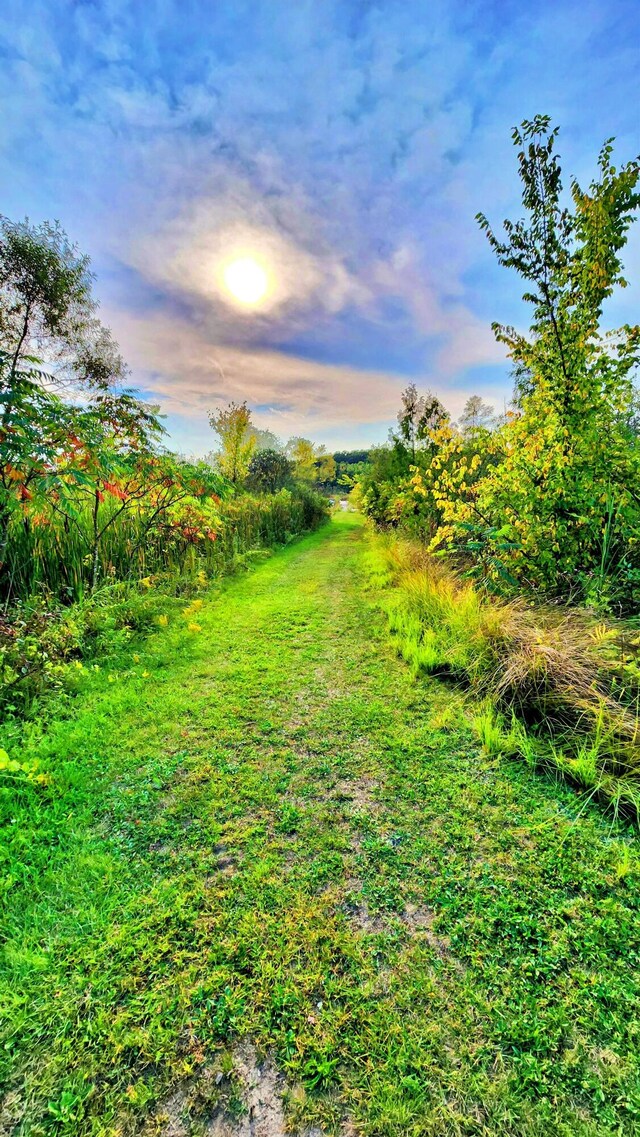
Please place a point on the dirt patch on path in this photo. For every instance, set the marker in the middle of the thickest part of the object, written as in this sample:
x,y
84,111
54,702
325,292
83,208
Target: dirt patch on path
x,y
263,1087
187,1110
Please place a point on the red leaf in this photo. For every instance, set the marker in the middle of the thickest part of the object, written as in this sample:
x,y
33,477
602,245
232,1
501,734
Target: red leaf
x,y
114,490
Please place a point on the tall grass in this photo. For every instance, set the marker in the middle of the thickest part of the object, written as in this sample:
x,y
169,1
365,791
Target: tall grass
x,y
53,619
557,687
50,557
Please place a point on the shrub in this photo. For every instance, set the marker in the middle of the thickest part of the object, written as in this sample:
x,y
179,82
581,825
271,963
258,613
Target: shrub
x,y
571,680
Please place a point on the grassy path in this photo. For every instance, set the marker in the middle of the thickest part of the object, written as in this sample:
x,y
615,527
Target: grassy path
x,y
272,865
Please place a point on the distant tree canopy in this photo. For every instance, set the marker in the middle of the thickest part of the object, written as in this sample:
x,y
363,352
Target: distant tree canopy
x,y
259,459
266,440
350,457
269,470
350,466
310,463
476,415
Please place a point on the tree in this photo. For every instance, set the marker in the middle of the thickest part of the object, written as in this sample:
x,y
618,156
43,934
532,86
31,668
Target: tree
x,y
566,494
234,428
351,466
47,309
269,470
301,454
325,466
108,455
50,340
418,416
409,416
571,264
476,415
267,440
310,463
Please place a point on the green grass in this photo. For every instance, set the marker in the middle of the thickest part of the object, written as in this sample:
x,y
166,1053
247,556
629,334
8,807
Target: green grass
x,y
268,829
559,688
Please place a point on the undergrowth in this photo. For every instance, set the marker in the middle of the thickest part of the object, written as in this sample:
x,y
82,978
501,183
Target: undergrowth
x,y
557,687
45,642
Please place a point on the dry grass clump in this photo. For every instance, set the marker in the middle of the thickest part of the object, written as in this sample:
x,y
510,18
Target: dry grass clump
x,y
571,681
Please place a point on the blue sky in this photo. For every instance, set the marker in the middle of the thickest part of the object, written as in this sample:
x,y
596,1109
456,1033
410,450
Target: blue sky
x,y
347,144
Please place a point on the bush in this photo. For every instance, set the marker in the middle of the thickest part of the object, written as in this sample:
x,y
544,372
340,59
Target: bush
x,y
572,681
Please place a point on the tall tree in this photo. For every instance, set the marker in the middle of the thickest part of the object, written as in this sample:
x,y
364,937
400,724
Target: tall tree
x,y
51,341
234,428
568,488
476,415
418,416
47,309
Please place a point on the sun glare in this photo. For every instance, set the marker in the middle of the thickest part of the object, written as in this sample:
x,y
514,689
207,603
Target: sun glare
x,y
246,280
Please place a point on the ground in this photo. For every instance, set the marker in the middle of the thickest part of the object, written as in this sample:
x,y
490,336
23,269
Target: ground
x,y
275,886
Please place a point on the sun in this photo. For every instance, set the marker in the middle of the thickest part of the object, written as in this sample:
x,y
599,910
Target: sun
x,y
246,280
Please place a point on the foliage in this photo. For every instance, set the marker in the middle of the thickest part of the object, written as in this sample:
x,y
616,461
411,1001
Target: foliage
x,y
310,463
46,309
269,470
568,470
234,428
380,484
418,417
476,415
351,466
573,681
266,440
546,498
350,457
177,539
88,495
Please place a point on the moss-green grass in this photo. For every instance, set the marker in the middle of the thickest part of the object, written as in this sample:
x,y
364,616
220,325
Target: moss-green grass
x,y
269,829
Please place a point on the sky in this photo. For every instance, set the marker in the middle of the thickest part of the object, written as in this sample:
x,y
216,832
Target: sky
x,y
345,145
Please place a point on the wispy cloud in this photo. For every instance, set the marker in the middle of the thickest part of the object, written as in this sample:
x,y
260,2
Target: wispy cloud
x,y
192,373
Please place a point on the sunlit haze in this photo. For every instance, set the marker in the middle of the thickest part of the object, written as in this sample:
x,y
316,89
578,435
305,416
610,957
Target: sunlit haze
x,y
246,280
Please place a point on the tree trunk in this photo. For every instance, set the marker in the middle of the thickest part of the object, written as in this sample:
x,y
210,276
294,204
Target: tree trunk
x,y
96,540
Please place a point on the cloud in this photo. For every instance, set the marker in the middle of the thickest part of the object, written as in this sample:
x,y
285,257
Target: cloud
x,y
349,145
188,254
189,375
